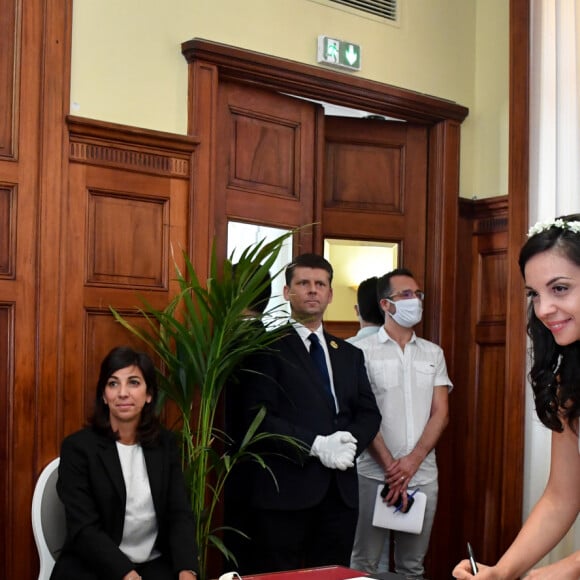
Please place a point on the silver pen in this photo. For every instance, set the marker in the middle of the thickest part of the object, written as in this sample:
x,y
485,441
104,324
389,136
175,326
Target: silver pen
x,y
472,559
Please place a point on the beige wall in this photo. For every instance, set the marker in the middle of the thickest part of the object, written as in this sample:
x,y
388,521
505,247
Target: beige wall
x,y
127,65
485,147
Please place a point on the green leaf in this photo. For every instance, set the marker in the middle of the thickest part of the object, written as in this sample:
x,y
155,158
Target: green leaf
x,y
202,337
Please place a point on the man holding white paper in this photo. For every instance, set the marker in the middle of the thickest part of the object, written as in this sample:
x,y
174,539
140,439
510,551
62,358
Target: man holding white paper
x,y
409,379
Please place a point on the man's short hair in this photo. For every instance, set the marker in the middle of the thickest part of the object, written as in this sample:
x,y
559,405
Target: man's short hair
x,y
368,303
308,261
384,289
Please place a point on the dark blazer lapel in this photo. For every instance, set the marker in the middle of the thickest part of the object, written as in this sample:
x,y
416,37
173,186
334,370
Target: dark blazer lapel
x,y
112,467
337,360
296,345
154,462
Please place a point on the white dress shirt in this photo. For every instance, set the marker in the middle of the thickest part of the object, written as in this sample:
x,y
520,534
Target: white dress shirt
x,y
403,383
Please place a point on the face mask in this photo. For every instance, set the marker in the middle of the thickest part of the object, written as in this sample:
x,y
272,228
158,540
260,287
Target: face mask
x,y
408,312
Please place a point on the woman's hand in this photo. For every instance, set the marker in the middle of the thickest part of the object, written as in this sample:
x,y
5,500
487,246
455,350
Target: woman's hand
x,y
566,569
133,575
463,571
187,575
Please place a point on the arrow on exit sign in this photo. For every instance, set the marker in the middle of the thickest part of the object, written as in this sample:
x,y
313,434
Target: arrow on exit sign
x,y
339,53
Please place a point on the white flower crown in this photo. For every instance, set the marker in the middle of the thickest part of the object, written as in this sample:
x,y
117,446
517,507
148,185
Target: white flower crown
x,y
558,223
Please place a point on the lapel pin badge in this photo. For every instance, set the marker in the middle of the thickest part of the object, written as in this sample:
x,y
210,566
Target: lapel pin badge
x,y
333,344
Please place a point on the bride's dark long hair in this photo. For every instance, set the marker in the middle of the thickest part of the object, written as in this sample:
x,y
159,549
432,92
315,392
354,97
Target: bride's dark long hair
x,y
555,372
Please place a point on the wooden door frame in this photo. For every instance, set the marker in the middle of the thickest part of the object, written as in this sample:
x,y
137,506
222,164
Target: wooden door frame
x,y
518,190
211,63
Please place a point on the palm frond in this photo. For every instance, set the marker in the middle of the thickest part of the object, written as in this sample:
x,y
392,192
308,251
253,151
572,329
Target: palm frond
x,y
202,337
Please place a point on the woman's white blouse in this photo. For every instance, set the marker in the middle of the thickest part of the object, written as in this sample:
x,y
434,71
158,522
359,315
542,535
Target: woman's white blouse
x,y
140,528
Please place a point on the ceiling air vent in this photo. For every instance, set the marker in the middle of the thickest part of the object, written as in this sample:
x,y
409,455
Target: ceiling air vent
x,y
384,8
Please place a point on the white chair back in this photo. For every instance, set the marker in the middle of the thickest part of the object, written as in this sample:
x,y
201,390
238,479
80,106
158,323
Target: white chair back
x,y
48,520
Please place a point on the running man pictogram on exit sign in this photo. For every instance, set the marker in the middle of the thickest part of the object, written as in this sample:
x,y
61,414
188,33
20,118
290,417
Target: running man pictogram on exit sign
x,y
338,53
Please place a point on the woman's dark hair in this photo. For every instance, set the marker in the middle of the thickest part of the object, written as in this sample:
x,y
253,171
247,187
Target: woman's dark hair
x,y
119,358
555,372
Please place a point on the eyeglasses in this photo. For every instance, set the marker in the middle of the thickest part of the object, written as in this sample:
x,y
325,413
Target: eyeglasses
x,y
407,295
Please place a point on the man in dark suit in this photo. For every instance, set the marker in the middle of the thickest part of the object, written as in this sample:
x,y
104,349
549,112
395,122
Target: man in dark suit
x,y
306,503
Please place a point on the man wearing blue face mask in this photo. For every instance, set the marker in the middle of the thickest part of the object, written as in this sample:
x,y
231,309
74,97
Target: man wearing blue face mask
x,y
409,379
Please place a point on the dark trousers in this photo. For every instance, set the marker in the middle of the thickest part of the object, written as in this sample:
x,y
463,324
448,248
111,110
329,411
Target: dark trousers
x,y
322,535
239,517
73,568
240,539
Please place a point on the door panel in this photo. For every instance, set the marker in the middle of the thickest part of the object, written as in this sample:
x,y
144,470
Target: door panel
x,y
264,159
371,180
375,185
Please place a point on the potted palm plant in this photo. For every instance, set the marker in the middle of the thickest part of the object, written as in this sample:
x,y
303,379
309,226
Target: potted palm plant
x,y
202,338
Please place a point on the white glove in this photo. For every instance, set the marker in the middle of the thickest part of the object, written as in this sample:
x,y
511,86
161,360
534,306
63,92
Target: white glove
x,y
336,451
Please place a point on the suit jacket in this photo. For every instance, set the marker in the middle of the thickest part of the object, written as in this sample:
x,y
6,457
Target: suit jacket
x,y
91,486
286,381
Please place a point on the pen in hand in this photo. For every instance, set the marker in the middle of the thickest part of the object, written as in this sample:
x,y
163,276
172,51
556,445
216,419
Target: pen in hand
x,y
472,559
410,499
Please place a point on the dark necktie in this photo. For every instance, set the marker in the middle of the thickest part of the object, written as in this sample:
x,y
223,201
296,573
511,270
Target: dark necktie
x,y
317,355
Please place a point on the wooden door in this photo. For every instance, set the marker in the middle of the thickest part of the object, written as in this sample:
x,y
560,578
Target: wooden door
x,y
281,162
375,188
255,76
265,161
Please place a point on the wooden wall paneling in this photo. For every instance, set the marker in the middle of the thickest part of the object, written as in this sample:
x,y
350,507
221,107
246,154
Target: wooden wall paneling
x,y
459,463
34,85
202,120
9,76
55,78
6,393
127,217
480,429
37,298
7,230
489,316
18,181
442,215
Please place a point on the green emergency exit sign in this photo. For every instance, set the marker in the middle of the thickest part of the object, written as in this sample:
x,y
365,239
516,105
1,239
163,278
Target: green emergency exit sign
x,y
338,53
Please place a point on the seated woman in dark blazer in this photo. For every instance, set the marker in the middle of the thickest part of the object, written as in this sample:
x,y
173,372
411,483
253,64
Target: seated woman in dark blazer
x,y
127,512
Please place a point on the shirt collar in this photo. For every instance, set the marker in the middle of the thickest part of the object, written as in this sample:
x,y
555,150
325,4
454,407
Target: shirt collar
x,y
367,331
304,332
384,336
